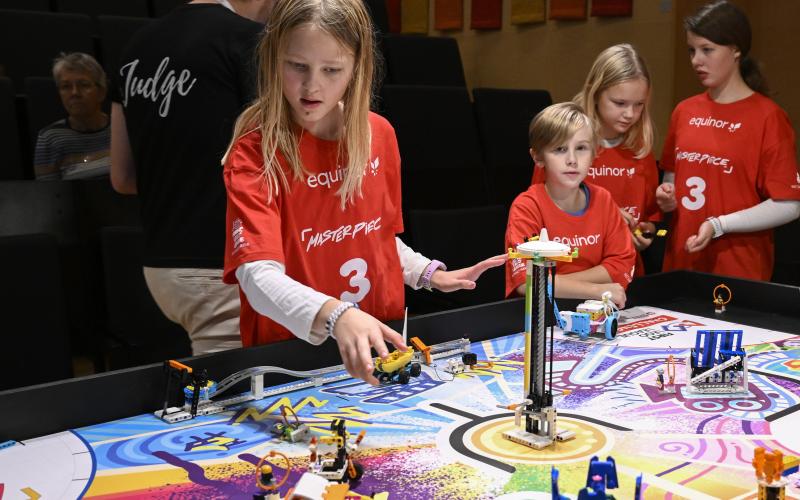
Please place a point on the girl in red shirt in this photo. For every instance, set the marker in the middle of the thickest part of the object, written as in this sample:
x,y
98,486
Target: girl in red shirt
x,y
580,215
615,97
313,183
731,172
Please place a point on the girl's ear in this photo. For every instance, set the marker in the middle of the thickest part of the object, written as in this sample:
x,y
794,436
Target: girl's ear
x,y
537,160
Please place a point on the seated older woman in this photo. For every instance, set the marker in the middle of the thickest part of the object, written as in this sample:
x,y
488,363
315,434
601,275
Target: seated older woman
x,y
76,147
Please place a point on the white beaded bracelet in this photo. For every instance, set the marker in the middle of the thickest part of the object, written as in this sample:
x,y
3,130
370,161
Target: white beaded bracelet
x,y
717,226
334,316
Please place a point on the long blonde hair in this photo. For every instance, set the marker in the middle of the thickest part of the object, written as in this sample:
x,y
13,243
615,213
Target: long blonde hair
x,y
348,22
615,65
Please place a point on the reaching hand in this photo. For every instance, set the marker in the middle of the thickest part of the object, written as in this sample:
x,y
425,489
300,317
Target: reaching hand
x,y
630,220
617,293
665,197
450,281
356,332
699,241
639,241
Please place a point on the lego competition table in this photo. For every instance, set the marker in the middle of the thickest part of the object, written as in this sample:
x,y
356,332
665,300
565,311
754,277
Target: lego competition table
x,y
440,435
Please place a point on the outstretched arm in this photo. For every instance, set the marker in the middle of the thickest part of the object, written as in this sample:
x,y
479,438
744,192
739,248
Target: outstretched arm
x,y
465,278
304,312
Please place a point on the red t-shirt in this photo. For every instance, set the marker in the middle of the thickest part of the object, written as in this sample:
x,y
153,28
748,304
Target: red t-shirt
x,y
600,233
726,158
348,254
631,181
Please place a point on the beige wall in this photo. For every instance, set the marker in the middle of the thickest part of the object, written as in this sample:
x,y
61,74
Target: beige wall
x,y
556,55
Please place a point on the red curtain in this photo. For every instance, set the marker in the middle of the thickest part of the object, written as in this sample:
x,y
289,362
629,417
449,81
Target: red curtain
x,y
393,10
449,15
568,9
612,8
487,14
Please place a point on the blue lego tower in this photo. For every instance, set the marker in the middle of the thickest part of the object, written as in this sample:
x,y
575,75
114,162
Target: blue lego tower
x,y
717,363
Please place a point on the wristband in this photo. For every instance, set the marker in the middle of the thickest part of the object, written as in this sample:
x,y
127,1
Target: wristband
x,y
425,279
334,316
717,225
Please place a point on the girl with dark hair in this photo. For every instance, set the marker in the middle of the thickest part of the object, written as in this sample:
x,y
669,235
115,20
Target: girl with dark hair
x,y
731,170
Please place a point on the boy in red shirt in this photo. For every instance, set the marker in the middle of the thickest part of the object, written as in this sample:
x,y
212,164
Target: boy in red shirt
x,y
616,97
563,144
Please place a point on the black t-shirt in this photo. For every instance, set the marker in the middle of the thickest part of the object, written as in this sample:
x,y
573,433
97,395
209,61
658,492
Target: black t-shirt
x,y
182,81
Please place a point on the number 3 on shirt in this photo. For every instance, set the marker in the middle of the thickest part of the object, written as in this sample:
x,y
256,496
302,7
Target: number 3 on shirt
x,y
358,281
696,199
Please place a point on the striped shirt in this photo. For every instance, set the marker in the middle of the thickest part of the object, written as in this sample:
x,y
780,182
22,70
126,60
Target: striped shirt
x,y
65,153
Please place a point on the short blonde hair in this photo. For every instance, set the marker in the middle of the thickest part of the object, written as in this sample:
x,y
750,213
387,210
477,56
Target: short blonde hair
x,y
80,63
556,124
615,65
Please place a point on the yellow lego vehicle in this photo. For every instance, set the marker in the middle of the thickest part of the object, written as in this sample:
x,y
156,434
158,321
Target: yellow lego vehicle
x,y
397,366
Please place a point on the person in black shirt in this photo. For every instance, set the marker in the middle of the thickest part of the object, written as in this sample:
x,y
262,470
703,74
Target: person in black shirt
x,y
180,83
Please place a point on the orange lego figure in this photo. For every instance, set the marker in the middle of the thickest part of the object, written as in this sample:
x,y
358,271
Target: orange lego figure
x,y
768,468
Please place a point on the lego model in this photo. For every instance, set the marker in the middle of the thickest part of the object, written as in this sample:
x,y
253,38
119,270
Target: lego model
x,y
602,475
208,402
265,479
468,361
290,431
399,366
190,379
666,386
650,234
768,468
340,467
428,354
722,295
591,316
719,366
540,416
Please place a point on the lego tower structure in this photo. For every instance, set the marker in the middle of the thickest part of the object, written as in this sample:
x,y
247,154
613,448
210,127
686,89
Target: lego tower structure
x,y
537,408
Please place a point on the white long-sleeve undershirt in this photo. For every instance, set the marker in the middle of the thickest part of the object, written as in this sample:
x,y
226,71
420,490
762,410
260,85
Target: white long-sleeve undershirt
x,y
766,215
293,305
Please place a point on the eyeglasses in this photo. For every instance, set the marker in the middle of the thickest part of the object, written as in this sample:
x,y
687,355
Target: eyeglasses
x,y
80,85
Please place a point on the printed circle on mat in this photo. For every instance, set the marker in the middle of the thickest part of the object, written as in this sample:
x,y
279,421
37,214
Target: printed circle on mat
x,y
57,466
487,439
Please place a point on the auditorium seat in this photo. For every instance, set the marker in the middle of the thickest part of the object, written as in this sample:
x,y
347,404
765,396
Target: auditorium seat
x,y
43,105
423,60
94,8
379,15
38,5
439,148
503,117
459,238
29,41
11,157
139,331
36,340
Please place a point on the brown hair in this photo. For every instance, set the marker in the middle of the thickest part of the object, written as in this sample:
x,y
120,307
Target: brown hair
x,y
725,24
